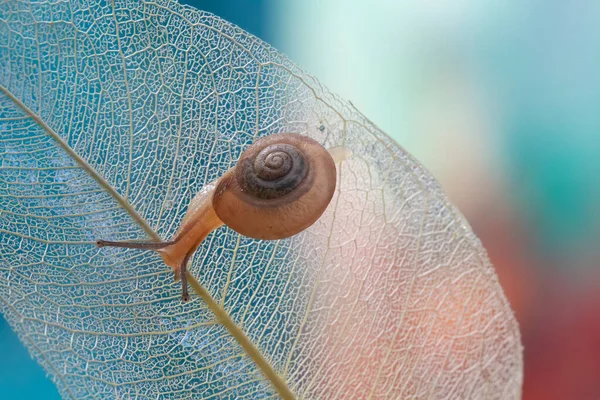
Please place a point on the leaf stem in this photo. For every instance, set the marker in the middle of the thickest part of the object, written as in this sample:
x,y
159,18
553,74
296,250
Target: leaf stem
x,y
239,335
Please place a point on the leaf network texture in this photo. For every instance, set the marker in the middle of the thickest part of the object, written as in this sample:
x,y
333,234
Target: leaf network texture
x,y
112,116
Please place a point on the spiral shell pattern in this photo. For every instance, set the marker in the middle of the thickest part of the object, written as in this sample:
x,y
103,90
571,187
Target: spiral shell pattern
x,y
276,170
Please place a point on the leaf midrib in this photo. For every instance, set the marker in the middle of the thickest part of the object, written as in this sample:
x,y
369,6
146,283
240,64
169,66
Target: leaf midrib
x,y
220,313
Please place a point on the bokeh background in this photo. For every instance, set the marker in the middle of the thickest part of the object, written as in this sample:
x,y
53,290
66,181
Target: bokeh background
x,y
500,100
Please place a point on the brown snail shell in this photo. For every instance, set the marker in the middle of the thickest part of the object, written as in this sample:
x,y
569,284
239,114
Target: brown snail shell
x,y
280,186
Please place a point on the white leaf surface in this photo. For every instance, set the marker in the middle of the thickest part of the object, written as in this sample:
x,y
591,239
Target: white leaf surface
x,y
112,116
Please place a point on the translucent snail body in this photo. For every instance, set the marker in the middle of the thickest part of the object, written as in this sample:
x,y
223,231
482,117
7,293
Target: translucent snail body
x,y
280,186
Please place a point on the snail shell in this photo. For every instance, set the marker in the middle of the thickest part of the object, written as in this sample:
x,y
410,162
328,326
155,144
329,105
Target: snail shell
x,y
280,186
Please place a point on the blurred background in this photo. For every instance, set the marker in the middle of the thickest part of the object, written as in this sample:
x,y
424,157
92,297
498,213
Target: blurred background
x,y
500,100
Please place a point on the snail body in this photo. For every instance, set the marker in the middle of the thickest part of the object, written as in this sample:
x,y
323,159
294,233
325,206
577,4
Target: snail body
x,y
280,186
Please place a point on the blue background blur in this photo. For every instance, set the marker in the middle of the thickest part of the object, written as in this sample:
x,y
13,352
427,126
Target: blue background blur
x,y
500,100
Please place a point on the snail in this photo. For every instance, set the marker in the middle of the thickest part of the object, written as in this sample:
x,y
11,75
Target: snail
x,y
280,186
